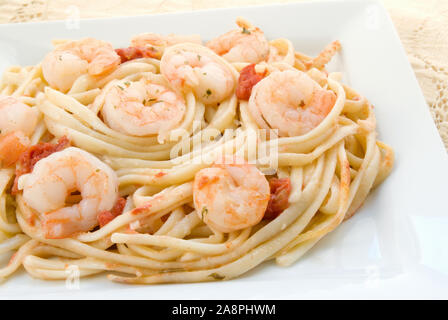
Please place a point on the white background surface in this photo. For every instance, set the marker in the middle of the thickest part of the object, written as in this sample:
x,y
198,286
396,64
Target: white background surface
x,y
394,247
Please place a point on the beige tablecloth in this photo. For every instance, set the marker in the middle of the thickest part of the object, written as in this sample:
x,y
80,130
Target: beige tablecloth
x,y
422,26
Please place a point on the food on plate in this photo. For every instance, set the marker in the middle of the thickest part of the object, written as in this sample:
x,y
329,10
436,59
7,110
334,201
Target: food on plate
x,y
178,160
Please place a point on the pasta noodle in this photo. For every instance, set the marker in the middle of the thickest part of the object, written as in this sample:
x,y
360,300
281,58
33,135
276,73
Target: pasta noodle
x,y
174,161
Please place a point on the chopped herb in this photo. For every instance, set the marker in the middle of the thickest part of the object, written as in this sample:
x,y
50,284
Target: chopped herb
x,y
204,73
199,57
204,212
245,31
120,87
169,270
127,83
208,93
216,276
151,101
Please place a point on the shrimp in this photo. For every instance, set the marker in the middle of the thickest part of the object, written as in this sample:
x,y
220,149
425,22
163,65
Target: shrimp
x,y
17,123
326,55
152,45
68,61
16,116
142,108
247,44
55,178
154,39
291,102
190,66
231,196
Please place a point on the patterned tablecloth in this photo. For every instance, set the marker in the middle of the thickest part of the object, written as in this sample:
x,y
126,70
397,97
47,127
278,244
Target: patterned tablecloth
x,y
422,26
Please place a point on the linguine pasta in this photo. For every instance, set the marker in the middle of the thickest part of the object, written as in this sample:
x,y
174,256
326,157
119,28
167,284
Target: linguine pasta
x,y
161,119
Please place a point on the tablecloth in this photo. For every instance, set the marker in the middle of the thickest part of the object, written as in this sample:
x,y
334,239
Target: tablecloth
x,y
422,26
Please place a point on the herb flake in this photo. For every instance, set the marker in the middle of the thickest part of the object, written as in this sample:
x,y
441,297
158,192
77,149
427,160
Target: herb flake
x,y
208,93
204,213
216,276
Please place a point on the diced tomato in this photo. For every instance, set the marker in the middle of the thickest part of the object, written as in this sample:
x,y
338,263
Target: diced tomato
x,y
160,174
131,53
35,153
12,145
107,216
278,202
248,78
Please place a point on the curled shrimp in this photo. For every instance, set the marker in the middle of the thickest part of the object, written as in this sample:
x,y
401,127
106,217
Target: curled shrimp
x,y
142,108
16,116
17,123
62,66
291,102
55,178
231,196
190,66
247,44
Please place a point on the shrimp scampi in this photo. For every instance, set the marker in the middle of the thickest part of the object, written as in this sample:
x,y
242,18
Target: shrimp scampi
x,y
142,108
190,66
291,102
231,195
172,160
68,61
17,123
246,44
55,178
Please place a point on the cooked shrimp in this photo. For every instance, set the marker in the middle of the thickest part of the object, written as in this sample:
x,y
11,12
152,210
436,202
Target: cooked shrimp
x,y
17,122
231,196
291,102
16,116
55,177
305,62
191,66
154,39
326,55
68,61
247,44
142,108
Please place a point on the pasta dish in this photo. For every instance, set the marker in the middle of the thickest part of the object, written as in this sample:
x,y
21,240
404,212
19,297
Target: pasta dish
x,y
178,160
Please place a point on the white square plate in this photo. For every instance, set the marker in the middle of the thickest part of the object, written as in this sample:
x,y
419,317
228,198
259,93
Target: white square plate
x,y
395,247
